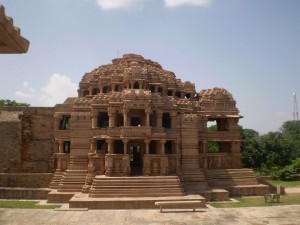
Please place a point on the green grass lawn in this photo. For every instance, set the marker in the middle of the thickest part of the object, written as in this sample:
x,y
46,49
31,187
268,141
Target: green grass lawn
x,y
284,183
291,199
25,205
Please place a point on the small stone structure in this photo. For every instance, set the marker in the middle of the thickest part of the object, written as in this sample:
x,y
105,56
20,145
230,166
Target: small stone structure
x,y
131,120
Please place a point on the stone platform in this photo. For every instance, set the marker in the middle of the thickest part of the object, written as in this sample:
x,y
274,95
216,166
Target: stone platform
x,y
81,200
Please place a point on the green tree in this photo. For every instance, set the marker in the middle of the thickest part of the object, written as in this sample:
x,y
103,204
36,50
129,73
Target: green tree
x,y
7,102
291,131
252,153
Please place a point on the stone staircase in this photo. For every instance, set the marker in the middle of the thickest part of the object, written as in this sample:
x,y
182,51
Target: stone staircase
x,y
230,177
236,181
72,181
56,180
151,186
193,178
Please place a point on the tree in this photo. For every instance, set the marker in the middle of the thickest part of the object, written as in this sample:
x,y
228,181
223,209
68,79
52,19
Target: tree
x,y
291,131
7,102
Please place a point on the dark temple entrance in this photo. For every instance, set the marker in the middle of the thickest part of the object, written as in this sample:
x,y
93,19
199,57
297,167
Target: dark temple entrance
x,y
136,159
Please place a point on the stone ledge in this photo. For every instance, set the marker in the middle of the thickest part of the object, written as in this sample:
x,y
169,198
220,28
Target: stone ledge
x,y
24,193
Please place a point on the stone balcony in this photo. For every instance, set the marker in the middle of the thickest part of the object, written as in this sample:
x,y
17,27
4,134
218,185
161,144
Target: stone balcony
x,y
131,131
221,135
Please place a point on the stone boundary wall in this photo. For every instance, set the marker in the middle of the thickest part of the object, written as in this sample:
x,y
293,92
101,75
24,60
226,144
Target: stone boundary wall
x,y
26,140
25,180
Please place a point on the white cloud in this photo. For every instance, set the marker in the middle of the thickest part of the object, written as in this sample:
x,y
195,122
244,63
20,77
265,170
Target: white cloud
x,y
120,4
21,94
174,3
56,90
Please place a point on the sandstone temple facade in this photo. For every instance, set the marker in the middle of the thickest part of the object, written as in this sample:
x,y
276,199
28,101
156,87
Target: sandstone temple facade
x,y
135,126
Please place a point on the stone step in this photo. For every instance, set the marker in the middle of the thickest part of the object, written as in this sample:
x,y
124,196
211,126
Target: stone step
x,y
136,186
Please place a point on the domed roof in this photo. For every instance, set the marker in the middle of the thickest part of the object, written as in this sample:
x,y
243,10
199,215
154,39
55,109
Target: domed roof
x,y
215,94
133,67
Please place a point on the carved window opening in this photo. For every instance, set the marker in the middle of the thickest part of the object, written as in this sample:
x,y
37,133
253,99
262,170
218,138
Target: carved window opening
x,y
220,124
118,88
103,120
67,147
212,125
95,91
152,147
106,89
177,94
102,147
188,96
135,121
213,147
118,147
224,147
170,93
119,120
152,88
169,147
85,93
160,90
166,120
136,85
65,122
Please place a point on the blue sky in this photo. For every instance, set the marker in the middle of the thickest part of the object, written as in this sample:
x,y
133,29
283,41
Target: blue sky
x,y
249,47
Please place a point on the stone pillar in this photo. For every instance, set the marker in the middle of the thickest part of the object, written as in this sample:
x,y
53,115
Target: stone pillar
x,y
110,146
90,90
112,119
162,142
125,112
140,85
204,146
125,142
159,119
94,119
147,112
93,146
60,146
147,142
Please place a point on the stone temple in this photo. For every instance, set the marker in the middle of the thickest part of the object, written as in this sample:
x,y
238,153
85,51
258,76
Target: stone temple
x,y
134,132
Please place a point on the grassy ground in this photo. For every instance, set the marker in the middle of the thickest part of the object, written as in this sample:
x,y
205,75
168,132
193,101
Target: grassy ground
x,y
25,205
291,199
284,183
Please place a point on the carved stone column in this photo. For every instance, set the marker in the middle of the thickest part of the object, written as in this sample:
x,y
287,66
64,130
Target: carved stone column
x,y
94,115
147,142
60,146
90,175
93,146
125,142
110,146
162,142
159,119
204,146
147,118
125,112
